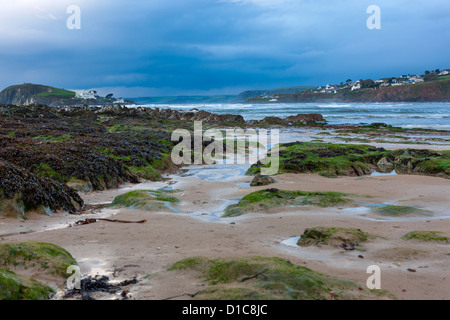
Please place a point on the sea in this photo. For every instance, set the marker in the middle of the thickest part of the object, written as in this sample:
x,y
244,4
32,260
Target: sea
x,y
435,115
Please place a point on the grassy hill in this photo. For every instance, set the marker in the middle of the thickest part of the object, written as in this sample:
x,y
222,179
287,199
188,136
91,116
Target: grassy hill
x,y
28,93
36,93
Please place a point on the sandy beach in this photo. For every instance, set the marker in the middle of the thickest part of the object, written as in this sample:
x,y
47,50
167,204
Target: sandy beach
x,y
409,269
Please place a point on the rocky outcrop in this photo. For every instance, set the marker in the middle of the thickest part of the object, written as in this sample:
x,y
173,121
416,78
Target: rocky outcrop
x,y
273,120
157,113
261,180
47,153
22,191
299,118
29,93
21,94
33,93
45,149
332,160
305,118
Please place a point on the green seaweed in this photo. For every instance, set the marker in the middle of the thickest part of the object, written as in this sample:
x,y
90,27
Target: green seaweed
x,y
270,198
266,278
47,257
17,287
45,170
64,137
332,236
147,173
333,160
398,211
426,236
155,200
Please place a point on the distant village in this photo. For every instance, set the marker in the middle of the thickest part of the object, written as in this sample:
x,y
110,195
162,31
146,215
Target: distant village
x,y
385,82
369,83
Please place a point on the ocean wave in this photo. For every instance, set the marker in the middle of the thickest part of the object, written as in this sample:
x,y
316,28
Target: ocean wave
x,y
333,106
396,114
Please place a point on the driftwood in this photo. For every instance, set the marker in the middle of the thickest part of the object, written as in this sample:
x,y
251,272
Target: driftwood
x,y
92,220
255,275
192,295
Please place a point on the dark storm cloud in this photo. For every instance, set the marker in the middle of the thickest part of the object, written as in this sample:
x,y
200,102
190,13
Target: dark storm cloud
x,y
170,47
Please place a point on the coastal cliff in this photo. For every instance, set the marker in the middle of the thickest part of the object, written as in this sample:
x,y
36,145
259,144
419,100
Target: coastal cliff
x,y
434,91
29,93
33,93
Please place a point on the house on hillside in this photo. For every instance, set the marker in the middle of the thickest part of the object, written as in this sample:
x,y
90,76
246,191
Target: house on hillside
x,y
330,89
118,101
356,85
85,94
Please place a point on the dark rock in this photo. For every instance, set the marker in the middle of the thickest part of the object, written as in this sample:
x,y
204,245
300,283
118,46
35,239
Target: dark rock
x,y
299,118
262,180
273,120
26,191
305,118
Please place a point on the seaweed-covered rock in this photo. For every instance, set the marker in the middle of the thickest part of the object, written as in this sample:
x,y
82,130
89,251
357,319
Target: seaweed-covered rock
x,y
332,160
342,237
16,287
262,180
427,236
297,119
263,200
87,148
267,278
151,200
22,191
399,211
46,258
305,118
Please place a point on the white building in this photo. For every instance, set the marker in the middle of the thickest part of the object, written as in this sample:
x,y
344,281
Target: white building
x,y
330,89
85,94
356,85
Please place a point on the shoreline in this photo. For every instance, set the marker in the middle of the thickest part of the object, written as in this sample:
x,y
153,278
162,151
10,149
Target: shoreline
x,y
168,237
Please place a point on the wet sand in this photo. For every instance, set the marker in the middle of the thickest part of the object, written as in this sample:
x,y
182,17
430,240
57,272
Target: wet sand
x,y
198,230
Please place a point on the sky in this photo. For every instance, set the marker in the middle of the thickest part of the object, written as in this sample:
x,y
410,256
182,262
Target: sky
x,y
136,48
